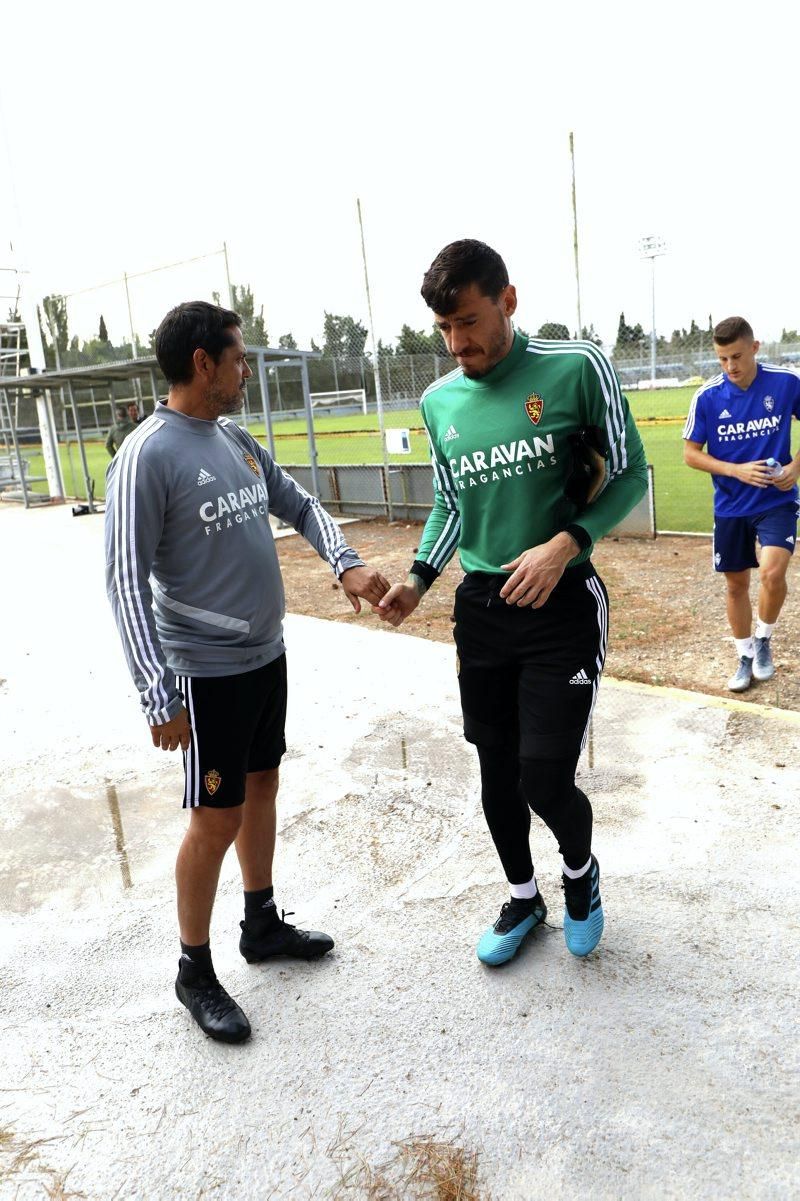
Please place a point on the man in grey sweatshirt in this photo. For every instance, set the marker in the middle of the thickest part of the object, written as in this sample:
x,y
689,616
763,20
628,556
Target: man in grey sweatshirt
x,y
196,590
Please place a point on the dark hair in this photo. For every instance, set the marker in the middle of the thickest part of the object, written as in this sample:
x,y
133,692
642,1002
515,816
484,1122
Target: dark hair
x,y
122,412
456,267
188,327
731,330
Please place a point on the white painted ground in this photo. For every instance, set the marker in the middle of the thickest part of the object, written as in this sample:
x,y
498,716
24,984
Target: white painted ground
x,y
664,1066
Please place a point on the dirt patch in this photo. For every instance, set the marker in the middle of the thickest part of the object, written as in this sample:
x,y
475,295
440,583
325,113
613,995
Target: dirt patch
x,y
668,622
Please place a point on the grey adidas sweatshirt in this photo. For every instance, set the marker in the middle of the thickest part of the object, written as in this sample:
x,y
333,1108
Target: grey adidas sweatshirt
x,y
191,569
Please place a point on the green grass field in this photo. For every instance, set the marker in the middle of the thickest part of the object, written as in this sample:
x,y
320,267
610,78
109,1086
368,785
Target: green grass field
x,y
683,497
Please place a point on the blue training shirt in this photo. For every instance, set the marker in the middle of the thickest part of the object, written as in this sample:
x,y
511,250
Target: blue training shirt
x,y
742,425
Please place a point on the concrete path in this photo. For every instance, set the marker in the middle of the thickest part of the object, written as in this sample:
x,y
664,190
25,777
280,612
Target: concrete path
x,y
663,1066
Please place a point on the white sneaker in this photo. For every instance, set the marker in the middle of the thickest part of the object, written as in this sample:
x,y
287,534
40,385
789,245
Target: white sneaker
x,y
763,667
743,677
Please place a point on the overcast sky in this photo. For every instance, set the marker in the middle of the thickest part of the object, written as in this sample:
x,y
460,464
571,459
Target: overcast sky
x,y
136,137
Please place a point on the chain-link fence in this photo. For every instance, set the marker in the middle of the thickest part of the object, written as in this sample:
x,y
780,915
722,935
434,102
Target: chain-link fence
x,y
359,429
348,434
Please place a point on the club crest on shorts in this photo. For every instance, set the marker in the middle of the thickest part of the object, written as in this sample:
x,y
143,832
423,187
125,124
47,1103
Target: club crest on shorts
x,y
251,463
212,781
533,407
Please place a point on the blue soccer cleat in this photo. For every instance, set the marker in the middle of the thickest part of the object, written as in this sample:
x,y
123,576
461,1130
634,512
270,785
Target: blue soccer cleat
x,y
517,918
583,915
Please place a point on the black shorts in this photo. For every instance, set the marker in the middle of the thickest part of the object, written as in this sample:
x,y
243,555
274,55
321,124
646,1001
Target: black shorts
x,y
529,677
237,727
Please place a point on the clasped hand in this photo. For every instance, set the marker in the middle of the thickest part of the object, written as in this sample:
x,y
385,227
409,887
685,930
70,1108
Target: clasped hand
x,y
363,583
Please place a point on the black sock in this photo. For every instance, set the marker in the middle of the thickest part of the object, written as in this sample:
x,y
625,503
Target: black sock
x,y
260,905
195,962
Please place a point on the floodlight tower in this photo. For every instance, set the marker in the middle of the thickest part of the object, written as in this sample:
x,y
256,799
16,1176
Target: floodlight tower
x,y
652,248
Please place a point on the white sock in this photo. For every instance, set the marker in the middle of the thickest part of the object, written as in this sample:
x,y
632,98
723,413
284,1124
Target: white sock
x,y
763,630
576,875
525,892
745,646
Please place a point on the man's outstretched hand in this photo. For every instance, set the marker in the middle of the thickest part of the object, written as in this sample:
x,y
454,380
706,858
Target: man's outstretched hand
x,y
365,583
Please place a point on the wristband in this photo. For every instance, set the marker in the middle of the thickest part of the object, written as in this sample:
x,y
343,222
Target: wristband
x,y
429,575
581,536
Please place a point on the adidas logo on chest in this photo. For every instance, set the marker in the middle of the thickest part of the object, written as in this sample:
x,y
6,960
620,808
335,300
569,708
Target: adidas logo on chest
x,y
205,477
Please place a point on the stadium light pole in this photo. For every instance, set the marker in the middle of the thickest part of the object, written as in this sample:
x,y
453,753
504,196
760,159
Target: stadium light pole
x,y
652,248
575,236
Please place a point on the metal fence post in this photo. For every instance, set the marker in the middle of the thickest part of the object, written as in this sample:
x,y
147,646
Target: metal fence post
x,y
79,434
264,385
312,446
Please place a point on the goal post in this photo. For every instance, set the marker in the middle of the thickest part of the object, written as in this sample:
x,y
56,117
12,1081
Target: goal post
x,y
340,399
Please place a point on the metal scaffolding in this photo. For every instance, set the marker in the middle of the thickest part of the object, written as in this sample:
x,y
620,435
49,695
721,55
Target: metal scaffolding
x,y
81,396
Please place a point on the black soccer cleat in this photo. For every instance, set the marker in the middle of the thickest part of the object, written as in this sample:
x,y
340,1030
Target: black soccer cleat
x,y
215,1012
266,940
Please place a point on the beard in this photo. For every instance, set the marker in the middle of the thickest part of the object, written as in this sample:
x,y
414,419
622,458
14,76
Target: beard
x,y
227,402
496,349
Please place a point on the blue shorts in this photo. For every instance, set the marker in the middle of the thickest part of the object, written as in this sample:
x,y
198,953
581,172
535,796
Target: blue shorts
x,y
735,537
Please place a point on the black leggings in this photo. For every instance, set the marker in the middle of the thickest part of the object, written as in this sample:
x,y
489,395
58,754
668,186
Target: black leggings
x,y
511,787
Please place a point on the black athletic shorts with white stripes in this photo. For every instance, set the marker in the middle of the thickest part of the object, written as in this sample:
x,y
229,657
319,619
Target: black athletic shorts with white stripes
x,y
237,727
529,677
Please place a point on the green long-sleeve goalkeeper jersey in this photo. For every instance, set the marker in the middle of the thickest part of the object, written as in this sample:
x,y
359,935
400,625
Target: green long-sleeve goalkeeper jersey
x,y
501,456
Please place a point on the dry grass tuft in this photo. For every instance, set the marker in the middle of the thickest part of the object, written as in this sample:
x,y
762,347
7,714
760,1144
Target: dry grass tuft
x,y
443,1170
422,1169
22,1158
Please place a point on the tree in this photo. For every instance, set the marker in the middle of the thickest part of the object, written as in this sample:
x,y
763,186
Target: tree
x,y
287,342
553,331
343,336
254,330
103,334
790,335
413,341
57,321
588,334
693,338
629,337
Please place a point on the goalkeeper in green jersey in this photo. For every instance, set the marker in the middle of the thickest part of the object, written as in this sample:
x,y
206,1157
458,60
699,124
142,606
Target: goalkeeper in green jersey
x,y
535,456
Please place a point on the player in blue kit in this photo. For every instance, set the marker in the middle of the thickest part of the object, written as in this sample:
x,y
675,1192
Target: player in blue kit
x,y
743,417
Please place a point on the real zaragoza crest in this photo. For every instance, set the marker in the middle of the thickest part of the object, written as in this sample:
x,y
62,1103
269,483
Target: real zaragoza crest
x,y
534,406
212,781
252,464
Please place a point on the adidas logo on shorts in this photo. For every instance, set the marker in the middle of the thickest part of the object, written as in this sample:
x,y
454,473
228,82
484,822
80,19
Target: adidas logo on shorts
x,y
724,413
205,477
790,539
451,434
580,677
